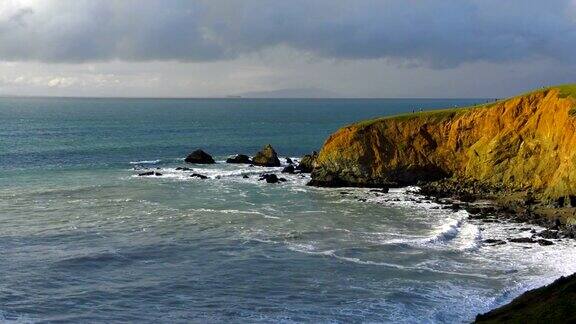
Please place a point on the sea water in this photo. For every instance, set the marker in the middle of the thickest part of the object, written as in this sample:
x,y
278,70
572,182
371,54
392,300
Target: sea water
x,y
83,238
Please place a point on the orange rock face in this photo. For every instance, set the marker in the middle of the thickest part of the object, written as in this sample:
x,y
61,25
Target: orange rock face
x,y
526,142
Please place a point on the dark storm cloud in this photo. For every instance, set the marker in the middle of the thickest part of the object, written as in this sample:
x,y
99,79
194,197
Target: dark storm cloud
x,y
436,33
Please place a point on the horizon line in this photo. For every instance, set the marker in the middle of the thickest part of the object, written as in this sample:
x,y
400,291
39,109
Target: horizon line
x,y
225,97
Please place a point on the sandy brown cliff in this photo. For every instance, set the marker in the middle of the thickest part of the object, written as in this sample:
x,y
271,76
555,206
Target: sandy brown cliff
x,y
522,143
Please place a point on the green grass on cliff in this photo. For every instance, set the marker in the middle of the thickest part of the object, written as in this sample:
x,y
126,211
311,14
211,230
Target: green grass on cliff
x,y
566,90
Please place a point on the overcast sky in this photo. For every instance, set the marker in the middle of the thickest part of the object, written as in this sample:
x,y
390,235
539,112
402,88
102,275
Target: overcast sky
x,y
353,48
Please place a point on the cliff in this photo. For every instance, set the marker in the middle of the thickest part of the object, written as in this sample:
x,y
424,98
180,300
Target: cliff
x,y
555,303
524,143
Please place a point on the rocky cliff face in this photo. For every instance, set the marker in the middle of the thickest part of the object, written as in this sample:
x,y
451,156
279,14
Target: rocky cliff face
x,y
522,143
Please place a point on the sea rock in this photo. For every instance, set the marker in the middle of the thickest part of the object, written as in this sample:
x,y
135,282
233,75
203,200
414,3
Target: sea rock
x,y
270,178
494,241
197,175
522,240
199,157
289,161
245,176
239,159
289,169
266,157
183,169
545,242
145,174
549,234
306,164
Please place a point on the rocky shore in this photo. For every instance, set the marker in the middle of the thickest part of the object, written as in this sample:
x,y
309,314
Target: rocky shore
x,y
519,153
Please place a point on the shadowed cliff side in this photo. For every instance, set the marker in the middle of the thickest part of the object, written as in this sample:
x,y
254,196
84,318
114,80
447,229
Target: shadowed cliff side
x,y
555,303
522,143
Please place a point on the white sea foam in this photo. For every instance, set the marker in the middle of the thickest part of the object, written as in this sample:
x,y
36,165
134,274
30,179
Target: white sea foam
x,y
146,162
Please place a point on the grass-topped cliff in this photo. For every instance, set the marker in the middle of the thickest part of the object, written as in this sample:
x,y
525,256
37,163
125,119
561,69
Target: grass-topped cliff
x,y
527,142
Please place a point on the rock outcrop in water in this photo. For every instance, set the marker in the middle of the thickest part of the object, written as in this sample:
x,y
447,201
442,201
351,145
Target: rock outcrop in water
x,y
266,157
239,159
555,303
522,143
199,157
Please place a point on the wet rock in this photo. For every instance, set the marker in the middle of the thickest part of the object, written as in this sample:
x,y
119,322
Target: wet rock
x,y
456,207
245,176
544,242
270,178
289,161
239,159
145,174
199,157
198,175
549,234
306,164
266,157
522,240
383,190
289,169
344,193
158,174
282,179
183,169
494,241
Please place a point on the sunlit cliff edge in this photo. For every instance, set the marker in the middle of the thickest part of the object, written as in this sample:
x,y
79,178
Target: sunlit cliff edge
x,y
527,142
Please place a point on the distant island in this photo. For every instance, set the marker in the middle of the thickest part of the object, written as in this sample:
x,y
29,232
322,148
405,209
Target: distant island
x,y
518,153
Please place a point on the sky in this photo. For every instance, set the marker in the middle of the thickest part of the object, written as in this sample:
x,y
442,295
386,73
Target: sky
x,y
341,48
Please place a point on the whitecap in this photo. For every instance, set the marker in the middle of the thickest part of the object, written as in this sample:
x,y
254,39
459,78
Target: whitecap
x,y
146,162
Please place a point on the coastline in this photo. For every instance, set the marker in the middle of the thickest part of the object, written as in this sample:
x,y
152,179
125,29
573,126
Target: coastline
x,y
511,160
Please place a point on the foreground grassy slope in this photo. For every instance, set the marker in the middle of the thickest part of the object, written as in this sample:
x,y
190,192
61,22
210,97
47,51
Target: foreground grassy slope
x,y
555,303
527,142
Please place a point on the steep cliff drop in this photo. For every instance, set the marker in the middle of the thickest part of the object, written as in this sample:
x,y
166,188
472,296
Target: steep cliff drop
x,y
525,143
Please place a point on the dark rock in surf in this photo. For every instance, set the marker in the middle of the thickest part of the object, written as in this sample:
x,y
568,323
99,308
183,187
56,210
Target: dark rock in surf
x,y
239,159
544,242
494,241
183,169
197,175
245,176
145,174
199,157
267,157
270,178
289,169
289,161
522,240
549,234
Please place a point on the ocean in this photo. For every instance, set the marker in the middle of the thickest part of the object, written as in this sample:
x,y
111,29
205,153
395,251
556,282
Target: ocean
x,y
84,239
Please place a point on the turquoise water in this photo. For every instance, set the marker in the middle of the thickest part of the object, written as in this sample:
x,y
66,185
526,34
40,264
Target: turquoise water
x,y
83,239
